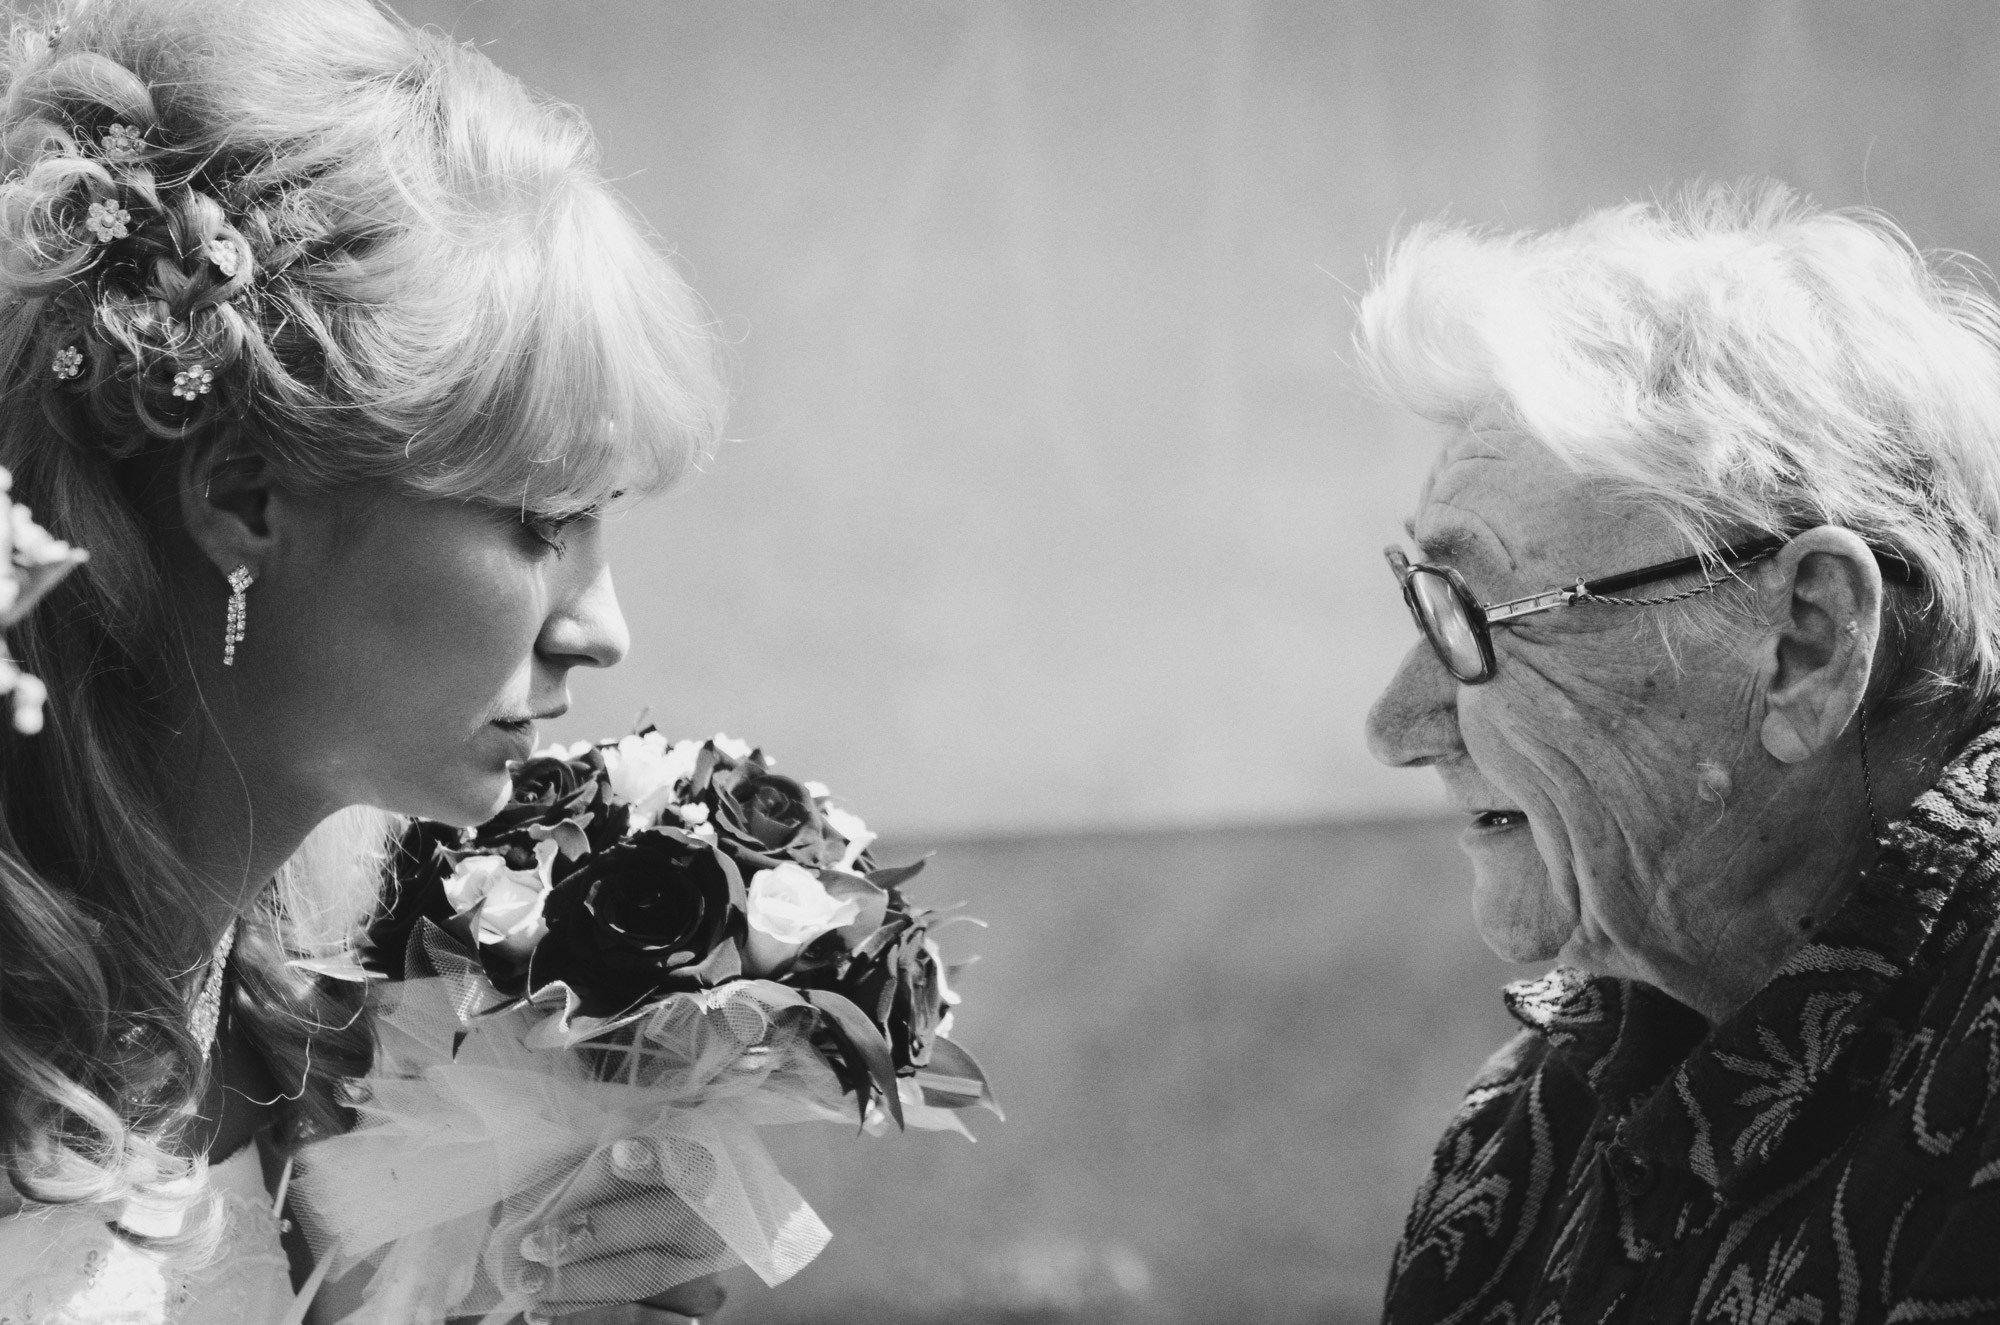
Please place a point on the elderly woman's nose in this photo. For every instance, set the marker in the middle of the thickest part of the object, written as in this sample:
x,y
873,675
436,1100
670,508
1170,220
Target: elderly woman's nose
x,y
1415,720
590,630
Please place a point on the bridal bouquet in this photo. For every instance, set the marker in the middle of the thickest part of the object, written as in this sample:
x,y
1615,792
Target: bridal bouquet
x,y
653,939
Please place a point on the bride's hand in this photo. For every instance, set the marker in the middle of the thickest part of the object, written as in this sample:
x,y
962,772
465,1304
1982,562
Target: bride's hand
x,y
616,1237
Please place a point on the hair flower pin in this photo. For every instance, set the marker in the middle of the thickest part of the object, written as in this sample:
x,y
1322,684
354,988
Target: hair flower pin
x,y
222,255
193,382
121,140
108,221
68,363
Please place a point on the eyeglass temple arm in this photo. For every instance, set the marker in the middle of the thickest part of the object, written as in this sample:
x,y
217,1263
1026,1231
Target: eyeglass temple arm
x,y
1730,557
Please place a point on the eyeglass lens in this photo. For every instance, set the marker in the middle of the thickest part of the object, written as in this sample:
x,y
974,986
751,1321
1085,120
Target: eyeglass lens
x,y
1445,622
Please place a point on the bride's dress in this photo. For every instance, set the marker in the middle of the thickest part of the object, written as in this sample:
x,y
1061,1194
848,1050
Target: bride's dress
x,y
62,1265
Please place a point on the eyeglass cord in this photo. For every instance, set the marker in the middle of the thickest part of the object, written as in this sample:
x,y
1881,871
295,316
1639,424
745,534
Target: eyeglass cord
x,y
1577,594
1868,778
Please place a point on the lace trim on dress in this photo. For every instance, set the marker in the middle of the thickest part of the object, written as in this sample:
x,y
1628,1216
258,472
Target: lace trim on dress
x,y
62,1265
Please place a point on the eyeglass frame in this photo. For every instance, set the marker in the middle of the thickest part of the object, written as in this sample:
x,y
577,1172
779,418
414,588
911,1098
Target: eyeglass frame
x,y
1482,617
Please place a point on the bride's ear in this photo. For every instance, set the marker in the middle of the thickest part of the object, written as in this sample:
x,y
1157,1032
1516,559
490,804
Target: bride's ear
x,y
227,501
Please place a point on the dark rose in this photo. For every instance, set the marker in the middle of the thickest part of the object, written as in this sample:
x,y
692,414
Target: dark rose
x,y
648,916
549,790
768,814
412,891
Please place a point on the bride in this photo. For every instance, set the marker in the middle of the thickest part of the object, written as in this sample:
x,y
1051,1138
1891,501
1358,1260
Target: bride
x,y
331,345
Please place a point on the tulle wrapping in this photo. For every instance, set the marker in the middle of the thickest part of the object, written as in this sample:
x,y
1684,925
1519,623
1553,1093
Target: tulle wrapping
x,y
478,1122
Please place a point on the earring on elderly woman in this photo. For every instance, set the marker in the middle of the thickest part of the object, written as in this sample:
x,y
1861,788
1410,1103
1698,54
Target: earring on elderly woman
x,y
240,581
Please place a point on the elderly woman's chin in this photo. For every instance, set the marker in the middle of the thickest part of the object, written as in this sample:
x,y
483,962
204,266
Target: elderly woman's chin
x,y
1513,902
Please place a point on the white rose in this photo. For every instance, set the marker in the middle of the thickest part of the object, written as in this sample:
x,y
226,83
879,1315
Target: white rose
x,y
738,750
789,908
645,770
509,901
850,826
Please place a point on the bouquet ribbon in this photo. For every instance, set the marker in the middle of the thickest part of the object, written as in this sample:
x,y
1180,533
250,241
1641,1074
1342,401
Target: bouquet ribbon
x,y
479,1123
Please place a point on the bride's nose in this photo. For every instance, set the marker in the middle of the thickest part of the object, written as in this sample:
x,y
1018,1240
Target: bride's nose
x,y
589,630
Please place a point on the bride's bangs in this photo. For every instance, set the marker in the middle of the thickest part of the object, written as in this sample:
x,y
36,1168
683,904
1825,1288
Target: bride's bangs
x,y
580,369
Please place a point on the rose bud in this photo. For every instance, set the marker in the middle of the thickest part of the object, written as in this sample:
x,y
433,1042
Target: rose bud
x,y
648,916
789,908
922,1003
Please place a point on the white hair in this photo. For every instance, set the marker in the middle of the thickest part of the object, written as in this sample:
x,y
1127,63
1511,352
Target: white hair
x,y
1742,362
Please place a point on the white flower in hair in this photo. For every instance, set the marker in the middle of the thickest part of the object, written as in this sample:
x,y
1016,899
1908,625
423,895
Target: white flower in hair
x,y
108,221
192,382
68,362
223,255
122,140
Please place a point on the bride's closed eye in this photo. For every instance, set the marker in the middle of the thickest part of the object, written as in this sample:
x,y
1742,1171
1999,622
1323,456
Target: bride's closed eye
x,y
547,529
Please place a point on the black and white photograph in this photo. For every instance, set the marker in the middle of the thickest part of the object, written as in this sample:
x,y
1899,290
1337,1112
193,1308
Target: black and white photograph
x,y
999,662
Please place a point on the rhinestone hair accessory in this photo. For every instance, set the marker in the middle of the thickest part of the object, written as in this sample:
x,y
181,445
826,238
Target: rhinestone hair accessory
x,y
222,255
208,1005
122,140
108,221
240,581
193,382
68,363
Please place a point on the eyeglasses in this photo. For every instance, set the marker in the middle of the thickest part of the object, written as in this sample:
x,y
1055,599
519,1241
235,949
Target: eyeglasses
x,y
1460,627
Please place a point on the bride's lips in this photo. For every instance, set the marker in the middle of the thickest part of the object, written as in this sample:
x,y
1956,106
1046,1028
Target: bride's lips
x,y
520,732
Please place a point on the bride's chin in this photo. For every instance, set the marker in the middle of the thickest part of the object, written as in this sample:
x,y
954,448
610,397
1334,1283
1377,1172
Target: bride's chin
x,y
468,805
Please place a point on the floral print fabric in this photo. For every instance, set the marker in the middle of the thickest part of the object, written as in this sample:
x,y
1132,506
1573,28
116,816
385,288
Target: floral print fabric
x,y
1830,1153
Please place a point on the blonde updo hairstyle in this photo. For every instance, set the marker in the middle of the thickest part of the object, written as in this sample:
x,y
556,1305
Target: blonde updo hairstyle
x,y
303,229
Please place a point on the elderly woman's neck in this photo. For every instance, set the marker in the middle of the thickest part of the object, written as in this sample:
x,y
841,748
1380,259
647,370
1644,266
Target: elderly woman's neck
x,y
1834,844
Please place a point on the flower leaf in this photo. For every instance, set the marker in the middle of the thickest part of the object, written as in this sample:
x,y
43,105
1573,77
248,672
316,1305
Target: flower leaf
x,y
872,899
954,1079
723,963
864,1040
897,875
883,938
568,836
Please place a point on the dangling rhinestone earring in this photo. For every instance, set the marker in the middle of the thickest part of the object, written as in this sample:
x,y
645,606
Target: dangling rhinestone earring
x,y
240,581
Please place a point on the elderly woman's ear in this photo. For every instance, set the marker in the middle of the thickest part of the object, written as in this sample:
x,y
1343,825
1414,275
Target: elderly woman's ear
x,y
1823,596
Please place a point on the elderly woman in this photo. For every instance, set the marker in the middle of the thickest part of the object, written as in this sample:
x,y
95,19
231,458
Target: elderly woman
x,y
1708,574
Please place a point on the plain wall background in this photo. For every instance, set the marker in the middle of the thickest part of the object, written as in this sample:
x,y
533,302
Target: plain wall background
x,y
1053,504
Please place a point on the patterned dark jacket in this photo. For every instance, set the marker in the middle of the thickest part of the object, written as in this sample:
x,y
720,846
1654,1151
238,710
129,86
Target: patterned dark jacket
x,y
1830,1153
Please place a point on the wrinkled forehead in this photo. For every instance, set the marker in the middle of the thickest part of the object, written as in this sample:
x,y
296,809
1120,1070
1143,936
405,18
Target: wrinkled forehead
x,y
1504,509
